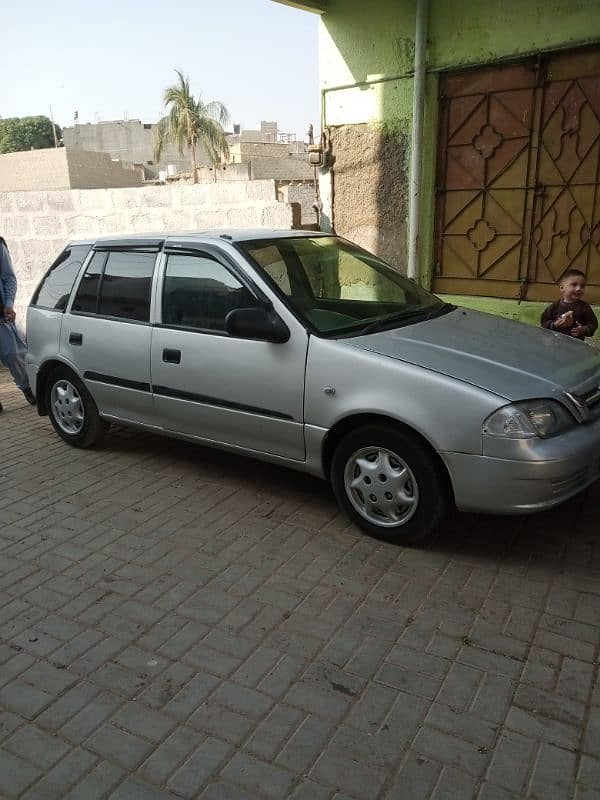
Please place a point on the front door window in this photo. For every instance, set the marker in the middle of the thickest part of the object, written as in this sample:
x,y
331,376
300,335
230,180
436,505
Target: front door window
x,y
199,292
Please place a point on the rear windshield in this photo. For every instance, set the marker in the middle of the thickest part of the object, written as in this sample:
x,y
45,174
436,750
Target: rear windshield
x,y
55,289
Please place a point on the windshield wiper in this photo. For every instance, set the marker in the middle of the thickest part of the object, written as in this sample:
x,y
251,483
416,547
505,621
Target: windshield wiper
x,y
445,308
406,316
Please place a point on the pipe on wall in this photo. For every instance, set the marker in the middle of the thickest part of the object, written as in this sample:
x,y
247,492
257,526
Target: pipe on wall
x,y
416,160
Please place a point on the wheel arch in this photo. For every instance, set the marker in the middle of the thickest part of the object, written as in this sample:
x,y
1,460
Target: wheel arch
x,y
41,383
360,420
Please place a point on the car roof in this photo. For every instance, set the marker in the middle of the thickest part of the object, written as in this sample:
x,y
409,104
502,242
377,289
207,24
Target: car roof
x,y
228,234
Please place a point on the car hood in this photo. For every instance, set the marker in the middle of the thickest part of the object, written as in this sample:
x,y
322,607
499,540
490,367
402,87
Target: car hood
x,y
513,360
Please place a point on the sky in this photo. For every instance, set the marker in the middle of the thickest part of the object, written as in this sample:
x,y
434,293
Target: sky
x,y
113,59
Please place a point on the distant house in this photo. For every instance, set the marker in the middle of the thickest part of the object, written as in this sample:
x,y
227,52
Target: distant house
x,y
129,140
508,194
132,141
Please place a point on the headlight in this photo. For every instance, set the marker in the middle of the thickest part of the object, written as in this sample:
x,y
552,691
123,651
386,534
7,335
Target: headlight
x,y
543,418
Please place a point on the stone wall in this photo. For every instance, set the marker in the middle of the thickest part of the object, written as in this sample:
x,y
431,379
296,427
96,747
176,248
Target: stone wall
x,y
38,225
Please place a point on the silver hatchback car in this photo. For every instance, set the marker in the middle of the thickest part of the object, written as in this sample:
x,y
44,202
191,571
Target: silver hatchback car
x,y
305,350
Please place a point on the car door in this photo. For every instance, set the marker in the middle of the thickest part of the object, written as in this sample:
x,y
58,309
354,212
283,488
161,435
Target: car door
x,y
106,332
240,392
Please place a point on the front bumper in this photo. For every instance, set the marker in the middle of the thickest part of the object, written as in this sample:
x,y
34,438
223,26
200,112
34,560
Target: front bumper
x,y
544,473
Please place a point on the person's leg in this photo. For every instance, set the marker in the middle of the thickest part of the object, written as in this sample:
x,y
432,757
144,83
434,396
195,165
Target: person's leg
x,y
15,362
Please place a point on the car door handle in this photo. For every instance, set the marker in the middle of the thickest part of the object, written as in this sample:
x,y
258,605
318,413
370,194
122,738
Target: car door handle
x,y
172,356
76,338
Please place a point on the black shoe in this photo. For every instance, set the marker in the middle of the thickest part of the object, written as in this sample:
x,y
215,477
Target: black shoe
x,y
28,395
1,408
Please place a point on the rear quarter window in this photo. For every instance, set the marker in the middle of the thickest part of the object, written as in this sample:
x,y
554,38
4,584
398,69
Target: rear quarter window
x,y
55,289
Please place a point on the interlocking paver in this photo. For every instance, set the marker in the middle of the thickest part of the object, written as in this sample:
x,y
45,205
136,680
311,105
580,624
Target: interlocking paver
x,y
554,774
451,750
127,750
133,789
39,748
542,728
98,783
259,777
57,782
200,766
97,708
416,778
191,696
360,781
215,720
550,704
512,762
21,698
177,624
272,734
588,778
169,756
305,745
15,774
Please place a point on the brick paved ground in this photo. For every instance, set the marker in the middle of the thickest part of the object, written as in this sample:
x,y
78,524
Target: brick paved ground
x,y
175,622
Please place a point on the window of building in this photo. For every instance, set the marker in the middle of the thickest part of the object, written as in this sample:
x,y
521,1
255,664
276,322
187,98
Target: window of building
x,y
199,292
56,287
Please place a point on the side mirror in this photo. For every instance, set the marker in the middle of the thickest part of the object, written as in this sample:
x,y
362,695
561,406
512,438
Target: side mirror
x,y
256,323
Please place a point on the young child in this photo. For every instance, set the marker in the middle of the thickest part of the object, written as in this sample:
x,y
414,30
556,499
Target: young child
x,y
571,314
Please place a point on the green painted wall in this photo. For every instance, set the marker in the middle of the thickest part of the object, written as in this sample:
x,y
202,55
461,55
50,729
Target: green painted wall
x,y
371,43
528,313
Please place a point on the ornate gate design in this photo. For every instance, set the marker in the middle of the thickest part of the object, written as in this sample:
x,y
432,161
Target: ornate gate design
x,y
518,177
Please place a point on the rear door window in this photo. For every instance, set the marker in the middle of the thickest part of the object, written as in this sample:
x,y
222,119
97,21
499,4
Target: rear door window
x,y
117,284
86,300
55,289
126,285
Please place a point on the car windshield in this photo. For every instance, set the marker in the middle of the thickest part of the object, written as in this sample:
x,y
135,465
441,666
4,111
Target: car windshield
x,y
338,288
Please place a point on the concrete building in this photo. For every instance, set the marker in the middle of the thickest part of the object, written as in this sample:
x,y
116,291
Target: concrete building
x,y
131,141
50,168
268,142
492,110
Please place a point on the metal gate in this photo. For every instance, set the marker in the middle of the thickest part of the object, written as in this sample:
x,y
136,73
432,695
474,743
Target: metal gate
x,y
518,197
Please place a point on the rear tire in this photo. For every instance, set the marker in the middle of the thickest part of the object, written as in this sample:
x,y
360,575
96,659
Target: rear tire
x,y
389,484
72,409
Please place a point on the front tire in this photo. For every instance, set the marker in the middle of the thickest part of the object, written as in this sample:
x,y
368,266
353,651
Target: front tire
x,y
72,409
389,484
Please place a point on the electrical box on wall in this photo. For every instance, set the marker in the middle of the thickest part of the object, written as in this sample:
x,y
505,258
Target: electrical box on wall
x,y
315,155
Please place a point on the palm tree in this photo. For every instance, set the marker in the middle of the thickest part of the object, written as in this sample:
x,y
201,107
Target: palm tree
x,y
191,122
